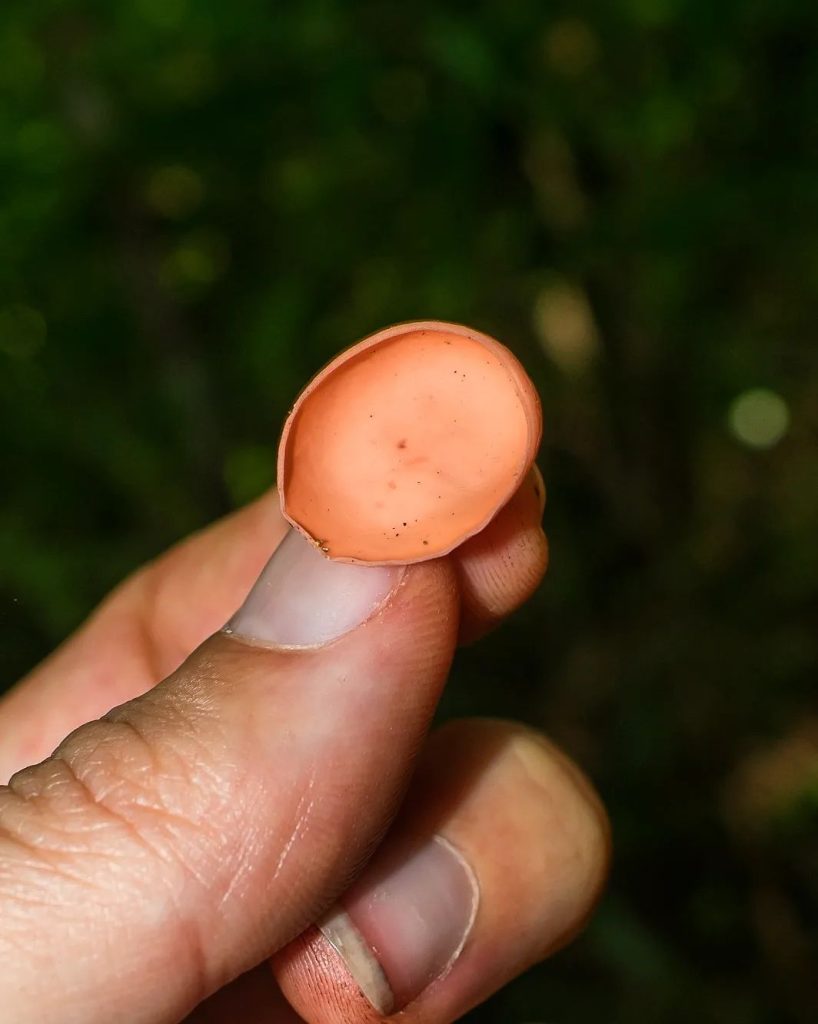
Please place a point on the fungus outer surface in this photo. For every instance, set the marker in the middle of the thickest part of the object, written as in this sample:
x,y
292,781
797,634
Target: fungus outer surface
x,y
407,444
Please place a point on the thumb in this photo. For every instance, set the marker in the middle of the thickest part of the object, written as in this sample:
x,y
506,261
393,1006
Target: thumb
x,y
206,823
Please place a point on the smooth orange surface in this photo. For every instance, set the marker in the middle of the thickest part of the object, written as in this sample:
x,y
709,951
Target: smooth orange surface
x,y
408,443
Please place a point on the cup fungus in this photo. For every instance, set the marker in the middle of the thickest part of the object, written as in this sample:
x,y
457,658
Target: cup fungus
x,y
407,444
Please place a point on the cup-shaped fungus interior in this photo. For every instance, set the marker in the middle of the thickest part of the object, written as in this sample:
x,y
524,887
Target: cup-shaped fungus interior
x,y
402,448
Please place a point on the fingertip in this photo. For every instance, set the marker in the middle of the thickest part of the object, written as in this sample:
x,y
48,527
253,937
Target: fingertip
x,y
410,937
500,568
317,984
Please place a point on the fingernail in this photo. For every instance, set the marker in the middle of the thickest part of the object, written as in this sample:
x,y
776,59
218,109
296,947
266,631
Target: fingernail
x,y
404,927
303,599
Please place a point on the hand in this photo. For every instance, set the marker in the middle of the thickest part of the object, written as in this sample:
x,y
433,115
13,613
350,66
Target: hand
x,y
236,817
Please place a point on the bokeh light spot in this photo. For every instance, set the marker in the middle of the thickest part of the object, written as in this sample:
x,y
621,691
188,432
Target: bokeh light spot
x,y
759,418
566,327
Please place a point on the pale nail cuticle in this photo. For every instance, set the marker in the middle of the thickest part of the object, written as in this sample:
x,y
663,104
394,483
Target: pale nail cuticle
x,y
302,599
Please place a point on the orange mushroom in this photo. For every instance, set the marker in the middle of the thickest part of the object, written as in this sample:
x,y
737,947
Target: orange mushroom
x,y
407,444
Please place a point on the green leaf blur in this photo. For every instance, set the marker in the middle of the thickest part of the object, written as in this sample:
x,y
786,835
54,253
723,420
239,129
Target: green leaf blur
x,y
201,202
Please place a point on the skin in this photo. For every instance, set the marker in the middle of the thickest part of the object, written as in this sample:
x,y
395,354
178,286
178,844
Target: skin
x,y
141,867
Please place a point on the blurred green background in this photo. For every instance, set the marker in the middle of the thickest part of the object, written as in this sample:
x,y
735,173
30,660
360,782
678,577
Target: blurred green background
x,y
202,201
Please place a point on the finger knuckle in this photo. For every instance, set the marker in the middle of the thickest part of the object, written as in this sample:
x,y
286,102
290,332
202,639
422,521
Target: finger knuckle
x,y
110,794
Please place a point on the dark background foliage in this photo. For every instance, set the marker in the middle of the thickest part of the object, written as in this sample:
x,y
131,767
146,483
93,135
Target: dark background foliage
x,y
202,201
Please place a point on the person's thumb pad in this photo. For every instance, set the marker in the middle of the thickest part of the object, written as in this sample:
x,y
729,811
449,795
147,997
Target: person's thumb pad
x,y
208,822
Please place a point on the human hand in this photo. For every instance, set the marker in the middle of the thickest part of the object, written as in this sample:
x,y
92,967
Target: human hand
x,y
201,829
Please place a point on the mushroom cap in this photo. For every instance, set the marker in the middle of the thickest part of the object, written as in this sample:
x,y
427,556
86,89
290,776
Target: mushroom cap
x,y
408,443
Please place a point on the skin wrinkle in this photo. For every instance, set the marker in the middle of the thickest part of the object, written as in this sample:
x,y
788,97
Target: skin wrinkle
x,y
50,865
24,823
39,862
44,785
254,841
212,788
155,768
302,825
303,816
145,808
191,940
23,901
37,808
114,814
